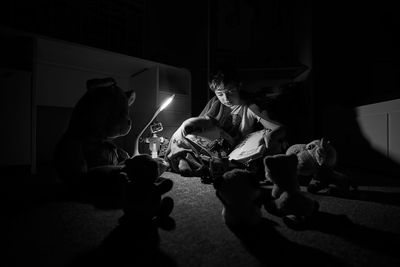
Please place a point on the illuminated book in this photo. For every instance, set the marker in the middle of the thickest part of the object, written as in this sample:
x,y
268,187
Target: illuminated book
x,y
250,148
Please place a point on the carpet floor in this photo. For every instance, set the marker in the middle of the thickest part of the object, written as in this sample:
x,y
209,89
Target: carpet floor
x,y
43,227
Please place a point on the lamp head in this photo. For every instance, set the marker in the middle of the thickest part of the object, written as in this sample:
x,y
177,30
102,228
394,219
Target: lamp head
x,y
163,106
166,102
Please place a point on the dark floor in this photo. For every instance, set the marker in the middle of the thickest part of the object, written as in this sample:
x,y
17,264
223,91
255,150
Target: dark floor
x,y
44,226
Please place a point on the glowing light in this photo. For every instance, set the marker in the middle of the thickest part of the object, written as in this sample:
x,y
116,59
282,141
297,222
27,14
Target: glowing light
x,y
167,102
162,107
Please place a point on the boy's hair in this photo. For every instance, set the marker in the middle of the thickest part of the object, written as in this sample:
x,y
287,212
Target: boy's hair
x,y
223,77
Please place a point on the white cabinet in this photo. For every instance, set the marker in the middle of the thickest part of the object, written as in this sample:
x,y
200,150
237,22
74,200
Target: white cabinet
x,y
380,124
36,105
15,117
153,86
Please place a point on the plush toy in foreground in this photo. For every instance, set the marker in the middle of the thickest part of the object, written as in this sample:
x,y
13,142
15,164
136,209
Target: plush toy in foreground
x,y
136,239
86,155
287,199
240,195
144,203
318,159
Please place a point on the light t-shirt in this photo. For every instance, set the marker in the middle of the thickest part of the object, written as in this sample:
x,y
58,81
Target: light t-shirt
x,y
236,120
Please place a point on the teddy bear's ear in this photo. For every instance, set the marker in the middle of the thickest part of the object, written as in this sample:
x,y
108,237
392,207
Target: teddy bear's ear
x,y
95,83
131,95
268,160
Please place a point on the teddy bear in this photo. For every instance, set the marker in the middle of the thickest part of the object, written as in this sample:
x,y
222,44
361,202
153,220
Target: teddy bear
x,y
287,201
240,194
318,160
144,203
86,157
136,239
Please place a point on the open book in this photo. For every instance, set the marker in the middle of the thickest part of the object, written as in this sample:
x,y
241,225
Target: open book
x,y
250,148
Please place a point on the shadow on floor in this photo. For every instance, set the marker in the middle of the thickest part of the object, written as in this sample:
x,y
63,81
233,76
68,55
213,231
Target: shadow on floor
x,y
272,249
341,225
128,244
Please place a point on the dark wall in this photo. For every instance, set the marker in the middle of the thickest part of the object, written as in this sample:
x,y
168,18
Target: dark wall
x,y
170,32
356,52
193,34
355,55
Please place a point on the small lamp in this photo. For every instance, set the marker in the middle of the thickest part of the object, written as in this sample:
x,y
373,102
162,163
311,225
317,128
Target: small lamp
x,y
162,107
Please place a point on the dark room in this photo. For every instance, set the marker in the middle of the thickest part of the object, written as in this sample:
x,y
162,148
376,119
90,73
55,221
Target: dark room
x,y
266,133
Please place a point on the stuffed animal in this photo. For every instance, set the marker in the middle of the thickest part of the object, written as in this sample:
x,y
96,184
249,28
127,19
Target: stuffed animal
x,y
144,202
86,158
318,159
136,238
239,192
287,199
100,116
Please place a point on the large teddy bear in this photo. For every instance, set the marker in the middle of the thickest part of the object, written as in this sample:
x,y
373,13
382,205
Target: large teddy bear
x,y
86,157
287,199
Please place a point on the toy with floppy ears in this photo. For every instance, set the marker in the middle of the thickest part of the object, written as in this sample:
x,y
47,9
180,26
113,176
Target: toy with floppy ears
x,y
318,159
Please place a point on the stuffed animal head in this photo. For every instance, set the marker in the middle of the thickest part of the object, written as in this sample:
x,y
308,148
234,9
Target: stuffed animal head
x,y
281,169
239,192
312,156
323,152
142,168
103,111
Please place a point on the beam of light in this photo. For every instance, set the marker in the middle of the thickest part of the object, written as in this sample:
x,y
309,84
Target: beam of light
x,y
162,107
166,102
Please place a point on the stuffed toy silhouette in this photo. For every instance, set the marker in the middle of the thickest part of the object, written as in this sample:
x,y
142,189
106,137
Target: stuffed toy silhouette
x,y
86,157
287,199
318,159
135,240
240,194
144,203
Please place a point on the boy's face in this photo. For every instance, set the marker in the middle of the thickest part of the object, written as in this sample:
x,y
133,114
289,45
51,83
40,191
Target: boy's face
x,y
228,95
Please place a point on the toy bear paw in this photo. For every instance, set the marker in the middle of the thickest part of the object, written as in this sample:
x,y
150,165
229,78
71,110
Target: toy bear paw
x,y
318,187
299,222
163,220
166,207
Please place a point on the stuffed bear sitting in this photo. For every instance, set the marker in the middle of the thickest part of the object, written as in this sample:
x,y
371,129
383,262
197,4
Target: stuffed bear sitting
x,y
86,157
287,199
144,203
318,159
240,194
136,238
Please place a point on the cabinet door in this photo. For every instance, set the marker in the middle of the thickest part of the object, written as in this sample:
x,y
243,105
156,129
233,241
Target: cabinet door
x,y
145,84
15,117
374,128
394,136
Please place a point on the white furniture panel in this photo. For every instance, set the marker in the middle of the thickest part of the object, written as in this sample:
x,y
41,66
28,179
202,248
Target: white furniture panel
x,y
62,69
394,136
380,124
62,85
172,118
15,117
374,128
